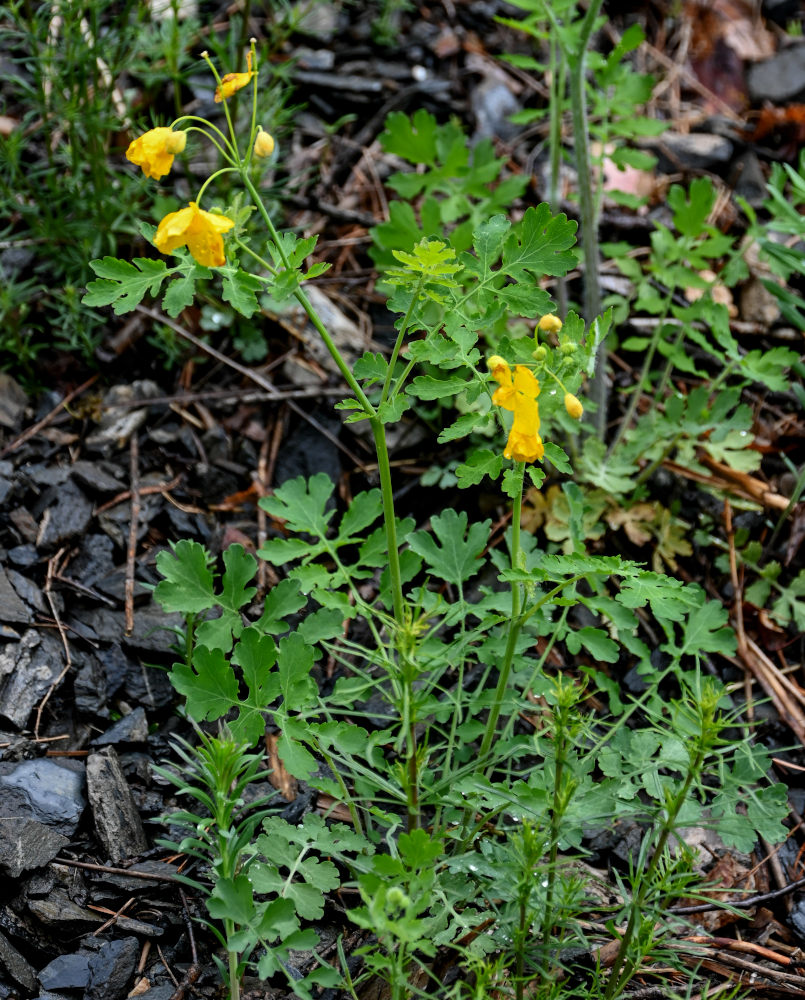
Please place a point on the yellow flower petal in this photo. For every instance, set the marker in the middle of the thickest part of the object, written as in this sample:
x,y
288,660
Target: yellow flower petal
x,y
234,81
196,229
154,151
524,443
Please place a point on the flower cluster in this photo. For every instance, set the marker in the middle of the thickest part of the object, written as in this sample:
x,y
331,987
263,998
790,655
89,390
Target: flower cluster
x,y
201,232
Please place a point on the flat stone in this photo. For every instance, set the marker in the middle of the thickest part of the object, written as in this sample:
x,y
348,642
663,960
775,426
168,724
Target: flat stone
x,y
117,820
694,151
12,402
6,480
132,728
12,608
30,666
28,591
93,477
111,969
16,965
780,78
57,909
27,844
22,555
66,519
67,972
119,421
54,794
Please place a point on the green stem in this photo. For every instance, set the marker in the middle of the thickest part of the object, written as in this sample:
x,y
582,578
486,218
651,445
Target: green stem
x,y
637,395
557,96
399,341
589,223
623,970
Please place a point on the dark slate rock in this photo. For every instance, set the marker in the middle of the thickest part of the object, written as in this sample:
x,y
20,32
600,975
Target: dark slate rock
x,y
780,78
748,180
89,686
6,480
67,972
29,667
154,630
54,794
117,820
161,991
132,728
111,969
28,591
26,844
12,607
95,559
66,519
94,478
16,966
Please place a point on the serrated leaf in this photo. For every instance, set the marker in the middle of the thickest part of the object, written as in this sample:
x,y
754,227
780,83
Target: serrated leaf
x,y
427,387
302,504
187,585
479,464
364,510
543,247
595,641
240,290
455,558
209,686
123,284
690,214
298,688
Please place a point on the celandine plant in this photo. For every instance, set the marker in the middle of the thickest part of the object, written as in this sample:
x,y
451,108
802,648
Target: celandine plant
x,y
474,774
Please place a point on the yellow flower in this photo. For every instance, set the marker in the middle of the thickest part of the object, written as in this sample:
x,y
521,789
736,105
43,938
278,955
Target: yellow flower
x,y
263,145
234,81
196,229
550,324
518,394
573,406
154,151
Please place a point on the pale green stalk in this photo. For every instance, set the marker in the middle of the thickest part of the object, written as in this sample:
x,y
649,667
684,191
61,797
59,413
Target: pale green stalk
x,y
378,429
514,625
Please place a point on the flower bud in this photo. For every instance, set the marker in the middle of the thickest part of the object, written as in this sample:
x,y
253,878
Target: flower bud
x,y
550,324
573,406
176,142
540,354
263,145
567,348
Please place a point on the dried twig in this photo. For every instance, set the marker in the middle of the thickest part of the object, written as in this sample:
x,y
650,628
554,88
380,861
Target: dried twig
x,y
68,660
134,476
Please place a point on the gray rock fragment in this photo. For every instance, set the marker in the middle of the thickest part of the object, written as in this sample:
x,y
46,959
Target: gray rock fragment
x,y
67,972
132,728
16,966
45,792
30,666
117,820
111,969
26,844
12,608
780,78
694,151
